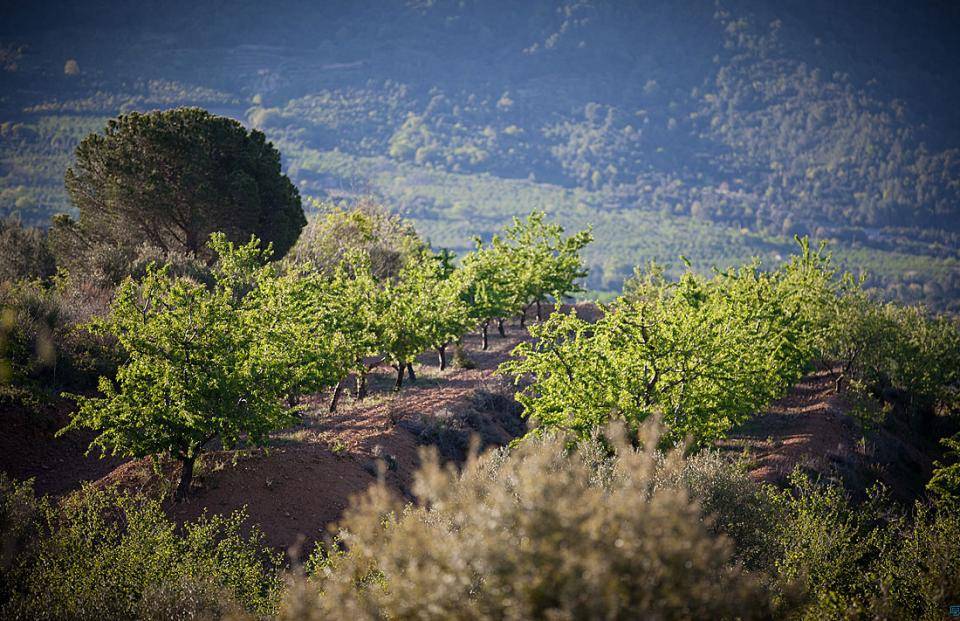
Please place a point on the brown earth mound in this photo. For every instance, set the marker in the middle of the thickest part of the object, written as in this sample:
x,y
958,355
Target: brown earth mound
x,y
815,428
29,448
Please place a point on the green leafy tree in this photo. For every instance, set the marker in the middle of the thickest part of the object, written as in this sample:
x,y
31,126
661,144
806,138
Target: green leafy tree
x,y
169,179
198,365
541,260
406,317
487,287
445,316
352,305
704,354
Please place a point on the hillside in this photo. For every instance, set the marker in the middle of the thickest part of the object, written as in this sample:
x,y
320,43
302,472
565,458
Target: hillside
x,y
302,481
730,127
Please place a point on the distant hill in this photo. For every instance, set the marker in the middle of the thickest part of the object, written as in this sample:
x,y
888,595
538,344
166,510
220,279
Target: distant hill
x,y
836,120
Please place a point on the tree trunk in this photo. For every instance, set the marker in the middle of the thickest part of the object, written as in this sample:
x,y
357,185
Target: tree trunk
x,y
483,335
442,356
361,386
410,373
336,396
293,398
400,368
539,314
186,476
500,327
523,318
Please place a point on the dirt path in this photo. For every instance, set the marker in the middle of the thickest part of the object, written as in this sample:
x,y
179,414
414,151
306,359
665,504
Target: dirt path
x,y
810,427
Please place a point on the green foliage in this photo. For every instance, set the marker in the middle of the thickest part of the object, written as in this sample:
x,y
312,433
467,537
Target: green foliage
x,y
945,482
841,560
530,534
19,513
41,348
366,227
921,569
198,365
24,253
169,179
822,555
826,546
703,354
540,261
885,347
106,555
530,261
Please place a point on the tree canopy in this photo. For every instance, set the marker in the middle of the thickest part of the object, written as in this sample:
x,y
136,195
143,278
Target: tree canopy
x,y
168,179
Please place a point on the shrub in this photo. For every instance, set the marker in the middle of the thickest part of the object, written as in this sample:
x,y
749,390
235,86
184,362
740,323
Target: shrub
x,y
24,253
367,227
108,555
734,504
40,346
827,548
529,534
920,573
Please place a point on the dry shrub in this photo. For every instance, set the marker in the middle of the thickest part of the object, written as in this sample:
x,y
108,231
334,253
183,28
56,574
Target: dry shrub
x,y
102,554
736,505
530,534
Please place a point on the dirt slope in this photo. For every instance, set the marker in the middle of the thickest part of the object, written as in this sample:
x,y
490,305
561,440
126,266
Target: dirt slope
x,y
814,427
29,448
301,483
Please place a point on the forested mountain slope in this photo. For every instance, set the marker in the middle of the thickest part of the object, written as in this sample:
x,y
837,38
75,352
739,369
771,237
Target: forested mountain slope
x,y
766,120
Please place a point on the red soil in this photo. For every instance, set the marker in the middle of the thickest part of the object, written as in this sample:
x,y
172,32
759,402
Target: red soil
x,y
302,482
29,449
813,428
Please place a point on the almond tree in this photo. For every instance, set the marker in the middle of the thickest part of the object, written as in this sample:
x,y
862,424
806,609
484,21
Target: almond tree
x,y
445,316
202,362
486,287
542,262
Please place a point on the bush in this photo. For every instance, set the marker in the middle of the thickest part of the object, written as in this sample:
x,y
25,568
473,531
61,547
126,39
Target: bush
x,y
40,346
530,534
107,555
329,237
827,548
734,504
920,574
24,253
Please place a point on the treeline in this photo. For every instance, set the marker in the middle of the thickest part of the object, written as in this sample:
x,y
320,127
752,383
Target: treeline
x,y
706,354
359,290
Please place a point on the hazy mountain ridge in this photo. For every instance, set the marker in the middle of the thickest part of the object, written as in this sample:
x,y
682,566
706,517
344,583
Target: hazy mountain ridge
x,y
827,120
